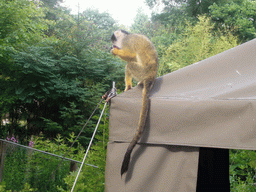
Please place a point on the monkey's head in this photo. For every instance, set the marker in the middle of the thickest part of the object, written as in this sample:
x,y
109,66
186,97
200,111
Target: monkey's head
x,y
118,37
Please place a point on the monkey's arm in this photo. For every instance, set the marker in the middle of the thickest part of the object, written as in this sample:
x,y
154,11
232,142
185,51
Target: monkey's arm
x,y
128,79
124,54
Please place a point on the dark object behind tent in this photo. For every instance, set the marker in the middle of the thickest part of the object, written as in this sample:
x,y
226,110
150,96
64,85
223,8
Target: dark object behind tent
x,y
213,170
208,104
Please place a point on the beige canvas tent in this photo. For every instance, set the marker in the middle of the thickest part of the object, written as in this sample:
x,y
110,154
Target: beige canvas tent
x,y
211,104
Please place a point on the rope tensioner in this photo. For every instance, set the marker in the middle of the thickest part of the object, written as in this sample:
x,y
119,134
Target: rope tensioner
x,y
110,94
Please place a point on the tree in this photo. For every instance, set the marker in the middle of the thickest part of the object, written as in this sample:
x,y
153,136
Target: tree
x,y
239,15
42,76
161,34
199,42
21,23
51,3
192,8
140,23
101,20
104,23
47,85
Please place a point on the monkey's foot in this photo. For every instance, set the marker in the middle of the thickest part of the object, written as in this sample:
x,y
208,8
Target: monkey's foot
x,y
140,83
128,88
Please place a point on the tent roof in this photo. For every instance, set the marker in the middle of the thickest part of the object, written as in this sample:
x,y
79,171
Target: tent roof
x,y
210,103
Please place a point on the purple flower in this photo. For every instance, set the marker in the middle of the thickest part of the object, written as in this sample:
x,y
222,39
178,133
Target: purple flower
x,y
13,139
31,144
8,139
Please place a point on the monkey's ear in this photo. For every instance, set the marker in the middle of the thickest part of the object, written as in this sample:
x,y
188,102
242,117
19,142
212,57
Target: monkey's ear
x,y
119,33
113,38
125,32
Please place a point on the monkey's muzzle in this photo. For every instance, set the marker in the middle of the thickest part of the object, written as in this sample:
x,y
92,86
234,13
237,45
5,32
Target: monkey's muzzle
x,y
114,46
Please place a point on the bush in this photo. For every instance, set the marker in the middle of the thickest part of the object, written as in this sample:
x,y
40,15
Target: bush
x,y
198,43
28,170
242,170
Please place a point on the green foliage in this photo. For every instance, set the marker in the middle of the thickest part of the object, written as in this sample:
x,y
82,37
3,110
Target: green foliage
x,y
92,179
62,59
54,68
163,37
27,170
173,17
102,20
141,22
51,3
21,23
46,81
199,42
42,75
239,15
242,170
14,169
104,25
176,12
199,7
3,187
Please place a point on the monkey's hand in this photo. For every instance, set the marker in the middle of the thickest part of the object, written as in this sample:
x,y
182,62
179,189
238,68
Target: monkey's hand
x,y
114,51
123,54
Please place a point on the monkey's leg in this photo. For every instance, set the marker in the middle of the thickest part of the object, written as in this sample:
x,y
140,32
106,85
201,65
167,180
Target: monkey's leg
x,y
128,79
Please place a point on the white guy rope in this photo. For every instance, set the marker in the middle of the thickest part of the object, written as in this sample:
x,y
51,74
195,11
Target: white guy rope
x,y
88,147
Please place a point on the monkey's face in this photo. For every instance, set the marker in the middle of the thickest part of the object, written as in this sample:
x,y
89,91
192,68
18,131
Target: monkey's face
x,y
118,37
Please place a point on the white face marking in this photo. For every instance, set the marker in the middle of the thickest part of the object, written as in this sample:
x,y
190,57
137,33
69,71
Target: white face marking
x,y
119,36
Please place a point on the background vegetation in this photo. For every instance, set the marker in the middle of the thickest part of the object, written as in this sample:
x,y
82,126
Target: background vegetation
x,y
54,67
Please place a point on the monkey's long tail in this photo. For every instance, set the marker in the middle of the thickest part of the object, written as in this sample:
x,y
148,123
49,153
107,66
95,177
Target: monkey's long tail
x,y
139,131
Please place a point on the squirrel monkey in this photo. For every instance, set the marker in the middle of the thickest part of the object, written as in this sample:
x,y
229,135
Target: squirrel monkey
x,y
142,65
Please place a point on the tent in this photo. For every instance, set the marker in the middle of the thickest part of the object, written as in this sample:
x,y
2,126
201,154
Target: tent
x,y
211,104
